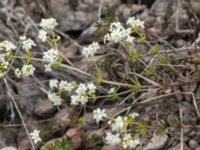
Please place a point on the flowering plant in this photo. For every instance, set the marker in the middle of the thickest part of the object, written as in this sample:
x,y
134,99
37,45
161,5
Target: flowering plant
x,y
120,126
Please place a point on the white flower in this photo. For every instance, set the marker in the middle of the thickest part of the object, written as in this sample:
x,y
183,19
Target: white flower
x,y
8,45
22,38
107,38
133,115
51,56
135,23
48,24
83,100
115,36
91,87
18,72
35,135
42,35
58,37
130,39
79,99
91,49
47,67
75,100
117,33
28,44
2,57
117,124
64,85
129,142
99,114
112,90
81,93
82,89
28,70
116,26
129,30
55,99
53,83
112,139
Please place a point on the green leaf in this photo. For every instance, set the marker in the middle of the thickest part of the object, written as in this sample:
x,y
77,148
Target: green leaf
x,y
92,96
64,144
114,95
142,39
177,122
54,40
164,59
98,77
80,120
110,14
189,12
150,70
135,55
142,128
160,129
57,63
98,24
154,49
136,84
9,55
128,121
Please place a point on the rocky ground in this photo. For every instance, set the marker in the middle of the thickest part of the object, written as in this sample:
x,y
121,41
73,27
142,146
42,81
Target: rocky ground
x,y
172,109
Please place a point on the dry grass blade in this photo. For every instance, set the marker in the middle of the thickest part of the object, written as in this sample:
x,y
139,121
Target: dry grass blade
x,y
19,112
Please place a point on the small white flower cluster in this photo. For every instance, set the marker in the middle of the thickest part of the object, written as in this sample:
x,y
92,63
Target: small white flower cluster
x,y
35,136
82,93
129,142
91,49
62,85
79,99
118,133
26,70
135,23
54,98
50,57
59,87
117,124
47,26
7,45
6,48
27,43
42,35
18,72
99,114
112,139
118,33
